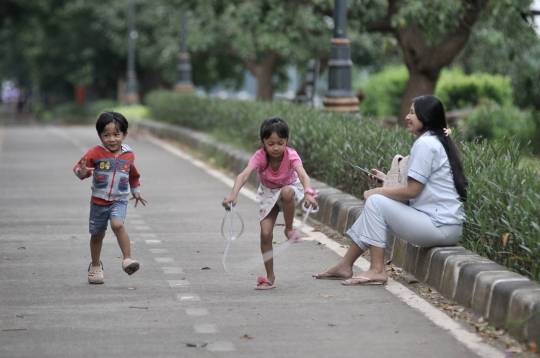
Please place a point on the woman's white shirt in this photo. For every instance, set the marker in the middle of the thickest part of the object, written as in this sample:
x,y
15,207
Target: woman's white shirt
x,y
428,164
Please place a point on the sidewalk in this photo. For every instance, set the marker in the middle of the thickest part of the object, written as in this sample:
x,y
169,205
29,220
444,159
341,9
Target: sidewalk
x,y
181,303
505,298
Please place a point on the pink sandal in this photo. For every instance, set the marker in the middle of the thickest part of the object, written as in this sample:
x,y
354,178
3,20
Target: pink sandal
x,y
294,236
261,280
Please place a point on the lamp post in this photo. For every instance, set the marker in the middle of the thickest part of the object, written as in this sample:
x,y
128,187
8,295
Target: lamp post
x,y
340,96
132,97
183,83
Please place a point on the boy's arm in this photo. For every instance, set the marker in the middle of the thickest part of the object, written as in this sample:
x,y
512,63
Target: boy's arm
x,y
83,169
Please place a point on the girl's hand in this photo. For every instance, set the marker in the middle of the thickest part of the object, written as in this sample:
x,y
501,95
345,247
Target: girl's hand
x,y
372,179
309,199
83,169
227,200
138,197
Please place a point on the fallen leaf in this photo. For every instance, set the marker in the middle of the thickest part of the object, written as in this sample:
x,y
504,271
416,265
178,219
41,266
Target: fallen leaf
x,y
141,308
189,344
206,268
387,262
132,288
21,247
331,325
245,336
276,242
532,347
326,296
317,229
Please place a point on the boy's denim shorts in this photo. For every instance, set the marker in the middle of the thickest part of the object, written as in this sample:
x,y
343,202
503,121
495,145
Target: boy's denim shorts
x,y
101,214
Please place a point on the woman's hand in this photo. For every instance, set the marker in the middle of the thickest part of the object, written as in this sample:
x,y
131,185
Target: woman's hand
x,y
229,199
138,197
378,173
371,192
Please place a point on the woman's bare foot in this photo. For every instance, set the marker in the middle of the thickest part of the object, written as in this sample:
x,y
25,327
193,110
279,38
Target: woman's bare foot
x,y
335,273
368,277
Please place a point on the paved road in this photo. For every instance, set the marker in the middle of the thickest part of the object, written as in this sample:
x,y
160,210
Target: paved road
x,y
178,309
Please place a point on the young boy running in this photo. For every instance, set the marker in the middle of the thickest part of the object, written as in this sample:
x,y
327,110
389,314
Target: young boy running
x,y
112,167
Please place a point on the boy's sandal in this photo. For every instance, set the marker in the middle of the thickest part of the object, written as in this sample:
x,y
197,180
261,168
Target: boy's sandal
x,y
95,274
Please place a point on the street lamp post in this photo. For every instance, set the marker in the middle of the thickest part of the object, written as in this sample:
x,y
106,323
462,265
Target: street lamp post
x,y
132,96
340,96
183,83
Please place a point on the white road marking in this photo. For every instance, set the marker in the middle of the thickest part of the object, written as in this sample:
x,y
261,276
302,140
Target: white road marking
x,y
178,283
205,328
172,270
153,241
142,228
164,259
159,251
468,339
196,312
187,297
146,235
137,222
220,346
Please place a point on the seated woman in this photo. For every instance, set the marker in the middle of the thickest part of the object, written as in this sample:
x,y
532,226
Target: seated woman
x,y
436,189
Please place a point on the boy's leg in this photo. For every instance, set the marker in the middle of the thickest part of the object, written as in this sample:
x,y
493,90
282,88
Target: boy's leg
x,y
96,242
267,235
122,236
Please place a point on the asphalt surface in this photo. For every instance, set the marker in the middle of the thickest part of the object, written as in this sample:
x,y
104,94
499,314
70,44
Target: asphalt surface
x,y
181,303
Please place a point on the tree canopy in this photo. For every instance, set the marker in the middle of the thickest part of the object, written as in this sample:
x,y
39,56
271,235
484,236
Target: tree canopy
x,y
54,45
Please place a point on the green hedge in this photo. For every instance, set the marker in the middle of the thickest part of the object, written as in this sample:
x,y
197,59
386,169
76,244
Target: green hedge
x,y
384,90
492,121
503,198
457,90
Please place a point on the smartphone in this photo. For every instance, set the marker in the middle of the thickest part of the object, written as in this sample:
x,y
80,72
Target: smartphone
x,y
368,173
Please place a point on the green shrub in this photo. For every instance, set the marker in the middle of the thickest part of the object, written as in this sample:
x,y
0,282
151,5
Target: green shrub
x,y
503,198
457,90
72,112
383,92
492,121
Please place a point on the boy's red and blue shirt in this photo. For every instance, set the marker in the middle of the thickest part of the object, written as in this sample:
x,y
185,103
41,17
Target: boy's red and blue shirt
x,y
113,178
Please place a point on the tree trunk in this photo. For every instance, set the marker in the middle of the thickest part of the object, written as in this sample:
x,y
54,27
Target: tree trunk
x,y
425,61
417,85
264,73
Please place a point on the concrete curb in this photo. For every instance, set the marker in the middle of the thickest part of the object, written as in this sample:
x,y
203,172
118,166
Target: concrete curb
x,y
505,298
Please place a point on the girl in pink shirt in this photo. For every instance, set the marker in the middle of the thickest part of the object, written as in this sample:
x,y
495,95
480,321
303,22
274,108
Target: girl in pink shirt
x,y
284,183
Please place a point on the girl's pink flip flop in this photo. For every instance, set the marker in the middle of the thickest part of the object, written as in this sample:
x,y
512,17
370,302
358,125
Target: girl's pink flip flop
x,y
262,279
294,236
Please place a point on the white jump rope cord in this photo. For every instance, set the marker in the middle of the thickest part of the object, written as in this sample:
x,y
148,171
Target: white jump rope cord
x,y
268,255
231,232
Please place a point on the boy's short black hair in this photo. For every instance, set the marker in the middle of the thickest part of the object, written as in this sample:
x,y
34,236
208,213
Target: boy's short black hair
x,y
120,122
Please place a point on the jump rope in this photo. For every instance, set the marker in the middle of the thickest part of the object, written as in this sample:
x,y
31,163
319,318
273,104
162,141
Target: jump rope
x,y
268,255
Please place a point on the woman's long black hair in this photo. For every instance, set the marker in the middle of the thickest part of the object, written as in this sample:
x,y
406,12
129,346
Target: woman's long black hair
x,y
430,111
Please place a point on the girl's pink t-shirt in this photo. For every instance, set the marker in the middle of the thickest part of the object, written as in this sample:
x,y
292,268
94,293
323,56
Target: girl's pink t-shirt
x,y
285,175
